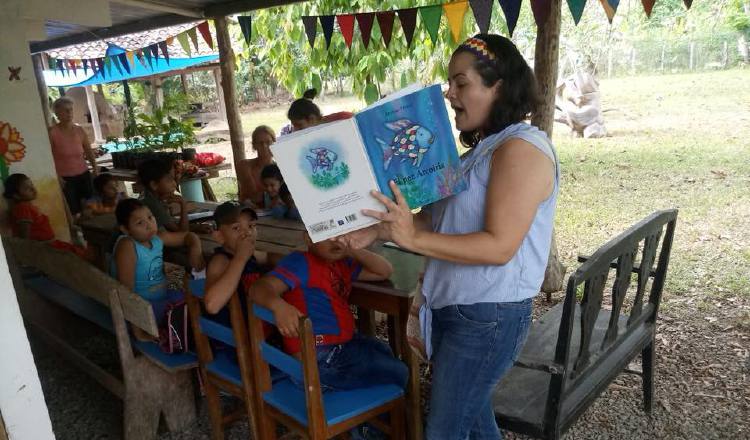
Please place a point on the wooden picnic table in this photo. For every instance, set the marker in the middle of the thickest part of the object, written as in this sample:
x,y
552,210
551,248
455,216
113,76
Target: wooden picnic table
x,y
128,175
392,297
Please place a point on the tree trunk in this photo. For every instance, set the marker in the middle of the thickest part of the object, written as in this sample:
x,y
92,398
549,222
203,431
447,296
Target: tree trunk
x,y
546,58
226,55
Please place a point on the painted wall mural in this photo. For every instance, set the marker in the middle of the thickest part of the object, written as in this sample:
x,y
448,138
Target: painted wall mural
x,y
12,148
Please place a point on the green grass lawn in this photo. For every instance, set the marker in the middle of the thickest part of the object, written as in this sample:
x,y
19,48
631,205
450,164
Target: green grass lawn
x,y
676,141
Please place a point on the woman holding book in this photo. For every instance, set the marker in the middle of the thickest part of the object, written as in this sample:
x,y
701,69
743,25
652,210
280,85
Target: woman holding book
x,y
487,246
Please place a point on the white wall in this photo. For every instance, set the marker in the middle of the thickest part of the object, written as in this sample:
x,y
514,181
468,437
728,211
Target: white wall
x,y
21,400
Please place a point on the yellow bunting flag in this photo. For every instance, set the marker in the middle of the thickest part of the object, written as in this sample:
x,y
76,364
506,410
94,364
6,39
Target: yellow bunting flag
x,y
170,40
131,57
455,12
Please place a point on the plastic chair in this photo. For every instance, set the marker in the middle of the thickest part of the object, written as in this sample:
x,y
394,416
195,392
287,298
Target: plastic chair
x,y
309,411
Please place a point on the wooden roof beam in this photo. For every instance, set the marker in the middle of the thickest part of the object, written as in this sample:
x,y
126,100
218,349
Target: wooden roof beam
x,y
160,7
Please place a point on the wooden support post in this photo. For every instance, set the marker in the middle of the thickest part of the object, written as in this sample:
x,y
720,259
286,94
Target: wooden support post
x,y
220,95
546,58
100,89
158,92
126,90
183,81
91,100
42,88
226,55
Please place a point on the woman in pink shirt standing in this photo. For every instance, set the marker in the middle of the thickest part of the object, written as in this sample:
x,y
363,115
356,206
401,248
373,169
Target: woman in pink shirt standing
x,y
70,145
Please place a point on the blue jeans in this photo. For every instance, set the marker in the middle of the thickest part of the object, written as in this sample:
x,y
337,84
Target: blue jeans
x,y
473,347
360,363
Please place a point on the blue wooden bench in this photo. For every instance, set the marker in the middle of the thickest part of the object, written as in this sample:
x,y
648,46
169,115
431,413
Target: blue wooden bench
x,y
57,285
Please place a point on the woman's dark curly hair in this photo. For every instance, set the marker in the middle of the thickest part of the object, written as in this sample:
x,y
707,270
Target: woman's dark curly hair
x,y
519,96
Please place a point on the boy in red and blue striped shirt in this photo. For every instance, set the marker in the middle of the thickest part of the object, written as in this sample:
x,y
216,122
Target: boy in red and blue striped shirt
x,y
317,283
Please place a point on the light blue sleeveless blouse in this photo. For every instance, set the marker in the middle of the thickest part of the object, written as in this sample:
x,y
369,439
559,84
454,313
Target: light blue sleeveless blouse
x,y
447,283
150,282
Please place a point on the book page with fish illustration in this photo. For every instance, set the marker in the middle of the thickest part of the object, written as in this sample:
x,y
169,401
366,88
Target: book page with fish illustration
x,y
409,140
329,177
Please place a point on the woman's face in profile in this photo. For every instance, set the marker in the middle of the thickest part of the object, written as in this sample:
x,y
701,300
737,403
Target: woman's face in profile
x,y
469,97
64,112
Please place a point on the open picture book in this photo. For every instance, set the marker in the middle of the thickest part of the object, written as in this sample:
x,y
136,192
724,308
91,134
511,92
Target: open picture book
x,y
330,169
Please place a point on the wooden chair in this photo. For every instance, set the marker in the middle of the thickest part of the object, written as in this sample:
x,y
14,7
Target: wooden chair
x,y
309,411
221,371
576,349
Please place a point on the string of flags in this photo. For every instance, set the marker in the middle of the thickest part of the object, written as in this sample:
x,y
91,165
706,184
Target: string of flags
x,y
430,17
125,60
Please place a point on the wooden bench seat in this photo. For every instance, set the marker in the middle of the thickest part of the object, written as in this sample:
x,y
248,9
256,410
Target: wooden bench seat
x,y
58,289
577,348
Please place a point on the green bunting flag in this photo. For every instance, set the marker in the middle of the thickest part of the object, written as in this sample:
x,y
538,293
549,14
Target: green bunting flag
x,y
183,40
576,9
193,34
431,19
246,26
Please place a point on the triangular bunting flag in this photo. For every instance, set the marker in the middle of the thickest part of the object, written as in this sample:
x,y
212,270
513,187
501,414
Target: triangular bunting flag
x,y
385,22
116,62
576,9
154,49
85,66
193,37
131,57
346,24
51,62
60,66
182,38
206,33
149,58
541,10
72,66
689,3
610,7
365,22
311,28
139,55
327,22
408,19
124,61
100,66
648,5
164,50
455,13
431,19
169,41
246,25
108,65
482,14
511,9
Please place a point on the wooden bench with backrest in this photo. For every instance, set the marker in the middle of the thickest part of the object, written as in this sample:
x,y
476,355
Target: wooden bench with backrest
x,y
577,348
52,284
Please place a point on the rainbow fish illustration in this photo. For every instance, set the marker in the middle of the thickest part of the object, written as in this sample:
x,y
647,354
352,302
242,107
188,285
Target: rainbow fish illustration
x,y
321,158
411,142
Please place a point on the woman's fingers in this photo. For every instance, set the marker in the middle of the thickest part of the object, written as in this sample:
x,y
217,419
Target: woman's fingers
x,y
375,214
384,200
400,200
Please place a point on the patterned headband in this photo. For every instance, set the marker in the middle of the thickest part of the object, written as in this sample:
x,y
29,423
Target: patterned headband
x,y
479,48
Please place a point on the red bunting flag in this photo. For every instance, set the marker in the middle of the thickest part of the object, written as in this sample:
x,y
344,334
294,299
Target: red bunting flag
x,y
365,26
408,19
206,33
541,10
346,24
648,6
385,22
